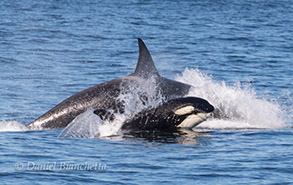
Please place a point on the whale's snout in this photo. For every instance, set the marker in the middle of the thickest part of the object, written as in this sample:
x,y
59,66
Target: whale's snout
x,y
192,111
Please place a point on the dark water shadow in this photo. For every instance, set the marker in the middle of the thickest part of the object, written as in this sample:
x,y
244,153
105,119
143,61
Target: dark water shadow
x,y
182,136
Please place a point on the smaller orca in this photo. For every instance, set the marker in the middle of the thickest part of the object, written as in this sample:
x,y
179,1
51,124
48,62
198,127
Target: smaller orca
x,y
186,112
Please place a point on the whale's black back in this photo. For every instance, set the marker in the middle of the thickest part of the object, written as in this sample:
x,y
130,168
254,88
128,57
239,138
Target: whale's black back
x,y
104,96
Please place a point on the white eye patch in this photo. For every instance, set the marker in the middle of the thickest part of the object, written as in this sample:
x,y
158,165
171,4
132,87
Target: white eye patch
x,y
184,110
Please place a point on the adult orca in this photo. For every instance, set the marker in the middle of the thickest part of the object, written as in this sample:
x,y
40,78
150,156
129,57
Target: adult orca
x,y
103,97
186,112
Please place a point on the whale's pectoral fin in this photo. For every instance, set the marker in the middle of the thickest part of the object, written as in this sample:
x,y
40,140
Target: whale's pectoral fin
x,y
85,125
105,114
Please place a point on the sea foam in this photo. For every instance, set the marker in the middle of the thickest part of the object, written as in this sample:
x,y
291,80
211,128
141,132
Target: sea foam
x,y
240,105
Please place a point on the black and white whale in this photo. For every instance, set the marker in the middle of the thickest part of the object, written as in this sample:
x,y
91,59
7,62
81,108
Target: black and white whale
x,y
173,116
186,112
103,97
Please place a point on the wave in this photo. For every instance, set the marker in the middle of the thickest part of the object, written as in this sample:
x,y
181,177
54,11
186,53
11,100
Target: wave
x,y
12,126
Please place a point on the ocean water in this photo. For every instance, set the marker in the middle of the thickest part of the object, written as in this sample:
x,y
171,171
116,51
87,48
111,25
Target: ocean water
x,y
237,54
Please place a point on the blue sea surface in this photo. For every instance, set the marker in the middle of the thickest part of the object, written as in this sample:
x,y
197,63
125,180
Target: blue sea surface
x,y
237,54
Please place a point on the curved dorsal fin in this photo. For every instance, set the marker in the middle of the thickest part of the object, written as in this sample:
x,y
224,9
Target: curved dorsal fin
x,y
145,65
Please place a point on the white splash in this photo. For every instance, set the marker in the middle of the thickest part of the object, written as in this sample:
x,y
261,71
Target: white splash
x,y
143,94
86,125
244,110
135,97
241,105
12,126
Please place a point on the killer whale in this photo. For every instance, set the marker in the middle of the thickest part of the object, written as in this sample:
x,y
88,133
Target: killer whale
x,y
171,116
103,97
185,112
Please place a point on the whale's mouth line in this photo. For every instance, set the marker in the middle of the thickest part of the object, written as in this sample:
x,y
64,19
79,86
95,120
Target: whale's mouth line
x,y
194,119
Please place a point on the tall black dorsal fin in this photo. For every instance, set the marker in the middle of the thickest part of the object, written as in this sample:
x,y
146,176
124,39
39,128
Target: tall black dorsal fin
x,y
145,65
